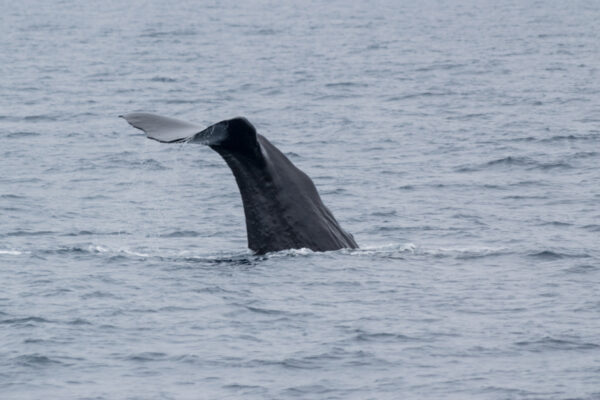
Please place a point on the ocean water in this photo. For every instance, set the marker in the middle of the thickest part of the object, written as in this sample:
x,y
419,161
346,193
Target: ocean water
x,y
458,141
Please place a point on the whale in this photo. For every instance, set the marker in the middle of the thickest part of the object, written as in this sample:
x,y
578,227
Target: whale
x,y
282,207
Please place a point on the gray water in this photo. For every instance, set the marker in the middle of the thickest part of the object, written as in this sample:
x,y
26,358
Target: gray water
x,y
459,143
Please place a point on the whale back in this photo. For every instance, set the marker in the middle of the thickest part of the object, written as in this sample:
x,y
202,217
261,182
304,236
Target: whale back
x,y
282,206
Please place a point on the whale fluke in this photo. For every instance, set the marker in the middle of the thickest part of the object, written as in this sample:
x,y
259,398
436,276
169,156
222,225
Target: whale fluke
x,y
282,207
162,129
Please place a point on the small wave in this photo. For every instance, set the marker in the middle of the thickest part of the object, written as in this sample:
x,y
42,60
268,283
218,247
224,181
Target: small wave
x,y
510,160
569,138
80,233
419,94
147,356
505,161
24,320
515,161
584,154
36,360
472,218
362,336
550,343
79,321
281,314
163,79
39,118
63,250
29,233
553,165
177,234
582,269
555,223
345,84
188,359
546,255
182,101
11,196
471,116
382,213
264,310
160,34
335,96
440,66
212,289
523,139
557,138
30,340
246,258
239,386
98,294
265,32
523,197
592,227
22,134
528,183
376,46
176,308
291,363
549,255
148,163
309,391
552,35
10,209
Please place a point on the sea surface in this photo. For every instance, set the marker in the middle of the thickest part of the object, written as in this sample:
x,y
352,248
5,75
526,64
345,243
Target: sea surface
x,y
458,141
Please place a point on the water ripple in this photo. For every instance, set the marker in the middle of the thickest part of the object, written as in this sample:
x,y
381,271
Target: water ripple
x,y
550,343
459,146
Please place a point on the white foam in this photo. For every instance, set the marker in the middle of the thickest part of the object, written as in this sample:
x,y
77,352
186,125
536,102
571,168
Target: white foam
x,y
472,251
134,253
11,252
97,249
384,249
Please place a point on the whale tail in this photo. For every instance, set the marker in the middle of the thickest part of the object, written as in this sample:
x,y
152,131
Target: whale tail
x,y
282,207
162,129
236,134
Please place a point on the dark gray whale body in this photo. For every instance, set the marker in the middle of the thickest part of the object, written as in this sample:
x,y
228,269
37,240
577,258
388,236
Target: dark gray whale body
x,y
282,206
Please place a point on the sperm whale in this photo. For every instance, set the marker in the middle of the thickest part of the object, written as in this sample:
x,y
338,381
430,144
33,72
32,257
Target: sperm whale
x,y
282,206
